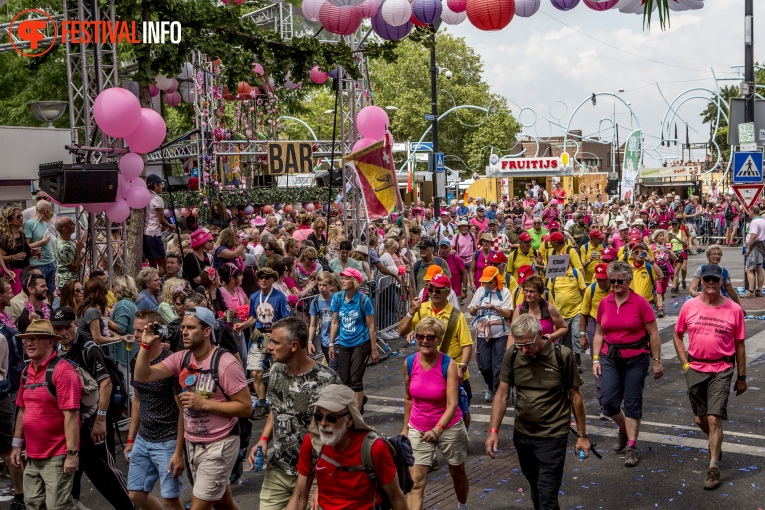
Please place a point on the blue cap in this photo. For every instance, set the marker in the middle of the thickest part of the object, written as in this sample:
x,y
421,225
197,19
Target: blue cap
x,y
204,315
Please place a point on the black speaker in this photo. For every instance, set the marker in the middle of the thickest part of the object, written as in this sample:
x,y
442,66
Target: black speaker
x,y
80,183
178,182
323,178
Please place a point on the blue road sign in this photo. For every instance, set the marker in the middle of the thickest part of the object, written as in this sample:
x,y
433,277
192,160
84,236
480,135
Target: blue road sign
x,y
440,162
430,117
422,146
747,167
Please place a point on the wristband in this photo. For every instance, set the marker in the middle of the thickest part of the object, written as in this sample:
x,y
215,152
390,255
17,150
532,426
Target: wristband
x,y
130,441
409,314
100,413
264,438
440,427
596,357
17,442
685,367
496,431
145,346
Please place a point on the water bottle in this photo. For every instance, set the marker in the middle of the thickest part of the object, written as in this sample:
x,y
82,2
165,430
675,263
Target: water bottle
x,y
259,457
386,347
582,455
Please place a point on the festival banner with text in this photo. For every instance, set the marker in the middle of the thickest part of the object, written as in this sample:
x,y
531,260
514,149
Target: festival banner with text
x,y
632,151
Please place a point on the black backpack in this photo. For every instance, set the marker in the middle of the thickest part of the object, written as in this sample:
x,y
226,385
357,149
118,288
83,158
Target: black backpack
x,y
118,401
729,214
12,379
243,427
400,448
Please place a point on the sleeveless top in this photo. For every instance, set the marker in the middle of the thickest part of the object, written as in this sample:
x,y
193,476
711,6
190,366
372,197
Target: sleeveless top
x,y
545,320
428,391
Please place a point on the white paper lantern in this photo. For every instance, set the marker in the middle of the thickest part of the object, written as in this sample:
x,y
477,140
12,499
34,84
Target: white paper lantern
x,y
346,3
450,17
188,71
188,92
526,8
396,12
163,82
311,9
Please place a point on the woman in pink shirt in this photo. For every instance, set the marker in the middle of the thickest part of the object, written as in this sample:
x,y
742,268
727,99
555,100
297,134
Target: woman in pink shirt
x,y
528,218
432,417
625,346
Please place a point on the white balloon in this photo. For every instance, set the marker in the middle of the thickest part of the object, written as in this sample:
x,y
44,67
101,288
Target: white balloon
x,y
450,17
396,12
188,71
311,9
163,82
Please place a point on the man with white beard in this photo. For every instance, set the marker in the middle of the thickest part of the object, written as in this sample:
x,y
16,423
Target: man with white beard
x,y
337,438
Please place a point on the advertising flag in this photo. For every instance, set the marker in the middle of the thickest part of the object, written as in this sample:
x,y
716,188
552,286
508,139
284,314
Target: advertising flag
x,y
632,151
377,179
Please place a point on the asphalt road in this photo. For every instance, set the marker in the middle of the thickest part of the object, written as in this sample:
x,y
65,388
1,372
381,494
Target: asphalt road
x,y
673,452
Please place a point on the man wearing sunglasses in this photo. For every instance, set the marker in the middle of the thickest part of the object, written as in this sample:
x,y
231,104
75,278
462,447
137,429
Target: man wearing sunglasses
x,y
716,333
543,408
646,274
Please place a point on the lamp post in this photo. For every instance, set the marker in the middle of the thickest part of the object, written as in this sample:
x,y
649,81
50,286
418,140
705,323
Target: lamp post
x,y
616,135
434,71
48,111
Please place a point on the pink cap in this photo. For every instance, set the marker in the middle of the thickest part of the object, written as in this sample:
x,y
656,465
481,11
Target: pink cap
x,y
352,272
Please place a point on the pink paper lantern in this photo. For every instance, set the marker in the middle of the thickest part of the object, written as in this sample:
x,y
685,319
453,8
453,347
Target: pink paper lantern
x,y
258,69
309,207
149,134
396,12
131,166
318,76
527,8
138,198
117,112
564,5
311,9
174,85
601,5
453,18
368,9
490,14
185,212
457,5
119,211
153,90
172,98
371,122
339,20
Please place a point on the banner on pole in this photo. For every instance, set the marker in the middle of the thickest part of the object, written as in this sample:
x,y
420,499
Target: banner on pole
x,y
632,151
376,177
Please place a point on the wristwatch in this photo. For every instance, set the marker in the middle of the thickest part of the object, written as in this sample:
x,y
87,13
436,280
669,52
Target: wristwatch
x,y
582,436
100,413
463,366
73,453
742,377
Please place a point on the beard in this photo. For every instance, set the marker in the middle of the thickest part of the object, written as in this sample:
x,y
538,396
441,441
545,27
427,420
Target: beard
x,y
330,436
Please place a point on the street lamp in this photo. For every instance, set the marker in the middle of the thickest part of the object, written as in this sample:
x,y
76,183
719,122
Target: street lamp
x,y
48,111
434,72
391,109
615,138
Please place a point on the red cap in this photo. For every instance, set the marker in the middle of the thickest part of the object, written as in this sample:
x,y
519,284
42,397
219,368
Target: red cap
x,y
525,237
557,237
553,225
634,241
597,234
498,258
634,232
600,271
523,273
608,254
441,281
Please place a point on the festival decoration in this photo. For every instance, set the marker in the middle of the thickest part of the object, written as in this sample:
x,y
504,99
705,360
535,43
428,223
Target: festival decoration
x,y
311,9
368,8
94,208
117,112
138,198
345,3
339,20
119,211
490,14
452,18
388,31
149,134
131,166
564,5
363,143
371,122
318,76
174,85
187,73
396,12
427,11
163,82
600,5
457,5
153,90
527,8
173,98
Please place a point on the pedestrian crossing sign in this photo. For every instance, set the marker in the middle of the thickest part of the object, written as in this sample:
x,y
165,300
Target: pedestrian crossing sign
x,y
747,167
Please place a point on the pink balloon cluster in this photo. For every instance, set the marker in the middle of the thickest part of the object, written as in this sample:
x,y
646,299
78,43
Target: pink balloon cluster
x,y
119,115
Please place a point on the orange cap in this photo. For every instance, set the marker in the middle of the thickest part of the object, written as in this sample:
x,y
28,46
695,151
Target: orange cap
x,y
490,273
432,271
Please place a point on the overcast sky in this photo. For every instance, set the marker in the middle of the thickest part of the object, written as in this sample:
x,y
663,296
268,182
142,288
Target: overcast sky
x,y
559,56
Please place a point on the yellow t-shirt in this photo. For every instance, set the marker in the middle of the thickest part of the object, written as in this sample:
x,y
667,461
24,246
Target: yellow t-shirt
x,y
566,292
461,338
517,260
574,261
587,250
620,254
512,285
641,281
591,299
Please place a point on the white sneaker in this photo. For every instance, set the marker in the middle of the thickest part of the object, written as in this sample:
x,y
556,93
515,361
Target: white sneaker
x,y
79,506
388,335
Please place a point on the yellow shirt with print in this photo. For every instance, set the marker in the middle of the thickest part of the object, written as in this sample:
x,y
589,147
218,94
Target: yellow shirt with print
x,y
641,281
586,251
517,260
620,254
566,292
461,338
591,299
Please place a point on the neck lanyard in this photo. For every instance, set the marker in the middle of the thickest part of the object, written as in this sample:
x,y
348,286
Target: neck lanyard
x,y
268,296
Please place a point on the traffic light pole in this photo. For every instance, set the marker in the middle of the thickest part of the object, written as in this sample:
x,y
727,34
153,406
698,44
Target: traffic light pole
x,y
749,59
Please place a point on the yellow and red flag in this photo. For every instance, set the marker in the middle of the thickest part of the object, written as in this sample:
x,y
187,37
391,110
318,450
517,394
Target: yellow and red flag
x,y
377,179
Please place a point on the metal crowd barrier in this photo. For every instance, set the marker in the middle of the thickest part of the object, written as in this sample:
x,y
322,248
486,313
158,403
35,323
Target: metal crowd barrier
x,y
391,301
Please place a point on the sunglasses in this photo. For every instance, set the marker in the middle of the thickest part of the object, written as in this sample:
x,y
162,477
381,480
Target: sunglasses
x,y
265,278
79,290
711,279
429,338
435,290
616,282
331,418
312,259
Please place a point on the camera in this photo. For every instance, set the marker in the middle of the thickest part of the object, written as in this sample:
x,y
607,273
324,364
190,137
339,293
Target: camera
x,y
448,75
158,329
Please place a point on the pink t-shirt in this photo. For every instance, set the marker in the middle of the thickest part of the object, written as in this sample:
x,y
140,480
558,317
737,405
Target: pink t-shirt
x,y
201,426
456,266
428,391
482,225
624,325
617,241
712,332
465,246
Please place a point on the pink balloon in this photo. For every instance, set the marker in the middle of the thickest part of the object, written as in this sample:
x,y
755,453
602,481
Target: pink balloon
x,y
123,186
119,211
195,212
138,198
309,207
149,134
131,166
318,76
185,212
153,90
173,87
364,142
117,112
372,122
138,183
95,208
173,98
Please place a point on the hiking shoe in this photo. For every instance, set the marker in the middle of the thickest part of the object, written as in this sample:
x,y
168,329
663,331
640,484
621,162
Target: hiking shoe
x,y
17,505
631,459
757,293
621,442
712,480
260,412
488,396
683,282
748,294
660,314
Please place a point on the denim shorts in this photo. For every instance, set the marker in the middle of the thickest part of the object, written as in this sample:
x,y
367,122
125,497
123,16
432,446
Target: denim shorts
x,y
148,462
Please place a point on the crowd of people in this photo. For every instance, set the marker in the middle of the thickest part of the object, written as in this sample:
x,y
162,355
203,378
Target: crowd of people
x,y
271,320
